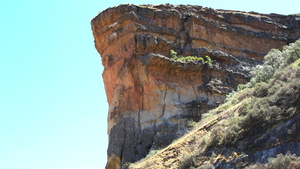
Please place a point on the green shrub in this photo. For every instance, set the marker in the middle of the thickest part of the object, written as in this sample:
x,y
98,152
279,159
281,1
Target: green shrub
x,y
261,73
126,165
191,124
274,58
275,61
230,135
261,89
206,59
151,153
187,161
190,58
173,54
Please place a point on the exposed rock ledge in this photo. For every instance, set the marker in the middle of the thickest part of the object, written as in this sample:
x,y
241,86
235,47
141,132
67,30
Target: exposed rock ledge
x,y
150,96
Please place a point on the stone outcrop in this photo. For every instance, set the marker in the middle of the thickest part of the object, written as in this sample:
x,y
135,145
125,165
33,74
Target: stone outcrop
x,y
151,96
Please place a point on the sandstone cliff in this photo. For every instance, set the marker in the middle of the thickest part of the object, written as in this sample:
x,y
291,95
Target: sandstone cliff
x,y
255,124
151,97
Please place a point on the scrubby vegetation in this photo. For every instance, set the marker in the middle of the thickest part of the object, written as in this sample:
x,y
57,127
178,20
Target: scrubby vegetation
x,y
281,161
205,60
151,153
270,98
126,165
275,60
191,124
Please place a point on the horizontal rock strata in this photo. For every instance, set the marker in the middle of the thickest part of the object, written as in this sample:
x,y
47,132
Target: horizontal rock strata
x,y
151,96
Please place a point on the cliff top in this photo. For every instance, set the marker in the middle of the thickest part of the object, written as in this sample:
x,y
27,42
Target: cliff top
x,y
195,10
191,9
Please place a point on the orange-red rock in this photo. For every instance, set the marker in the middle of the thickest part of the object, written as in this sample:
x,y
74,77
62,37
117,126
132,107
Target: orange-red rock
x,y
151,97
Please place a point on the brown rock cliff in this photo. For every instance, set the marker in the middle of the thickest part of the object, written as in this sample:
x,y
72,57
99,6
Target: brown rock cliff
x,y
152,97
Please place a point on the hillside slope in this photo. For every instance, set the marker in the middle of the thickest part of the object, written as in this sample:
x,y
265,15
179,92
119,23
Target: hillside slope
x,y
259,121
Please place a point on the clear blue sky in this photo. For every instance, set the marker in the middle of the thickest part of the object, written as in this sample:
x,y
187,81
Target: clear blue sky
x,y
53,107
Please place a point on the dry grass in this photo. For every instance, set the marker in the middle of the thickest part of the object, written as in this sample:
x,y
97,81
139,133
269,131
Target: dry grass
x,y
190,144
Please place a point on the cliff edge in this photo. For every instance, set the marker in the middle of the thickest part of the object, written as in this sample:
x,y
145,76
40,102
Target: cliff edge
x,y
151,95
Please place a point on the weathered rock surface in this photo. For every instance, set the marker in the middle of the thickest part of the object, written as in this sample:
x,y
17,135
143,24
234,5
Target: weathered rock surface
x,y
152,97
283,139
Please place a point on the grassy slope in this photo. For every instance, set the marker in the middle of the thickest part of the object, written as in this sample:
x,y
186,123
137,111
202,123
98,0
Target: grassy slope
x,y
269,99
171,155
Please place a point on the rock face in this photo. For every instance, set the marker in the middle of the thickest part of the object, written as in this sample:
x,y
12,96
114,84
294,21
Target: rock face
x,y
151,96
